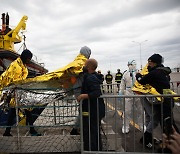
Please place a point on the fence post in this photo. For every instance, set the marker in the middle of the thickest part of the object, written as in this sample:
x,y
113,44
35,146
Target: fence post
x,y
17,119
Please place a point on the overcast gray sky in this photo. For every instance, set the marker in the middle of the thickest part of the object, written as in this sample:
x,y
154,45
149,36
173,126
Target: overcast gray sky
x,y
57,29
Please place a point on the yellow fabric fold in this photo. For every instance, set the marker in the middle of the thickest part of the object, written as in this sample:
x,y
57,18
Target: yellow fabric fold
x,y
16,71
64,77
148,89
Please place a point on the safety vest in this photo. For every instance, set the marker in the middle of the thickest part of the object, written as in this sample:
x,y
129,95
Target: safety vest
x,y
118,77
109,78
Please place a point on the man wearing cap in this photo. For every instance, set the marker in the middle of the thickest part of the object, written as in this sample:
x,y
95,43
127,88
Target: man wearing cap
x,y
158,77
17,71
86,51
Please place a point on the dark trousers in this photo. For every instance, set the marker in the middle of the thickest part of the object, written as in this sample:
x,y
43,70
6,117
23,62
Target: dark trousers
x,y
118,85
160,112
92,137
168,106
12,115
109,87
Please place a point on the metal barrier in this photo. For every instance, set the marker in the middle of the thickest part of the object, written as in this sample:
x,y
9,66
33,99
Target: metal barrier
x,y
175,86
110,88
113,88
134,140
54,116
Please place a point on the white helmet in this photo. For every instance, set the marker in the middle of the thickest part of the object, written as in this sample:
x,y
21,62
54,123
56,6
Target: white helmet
x,y
132,65
131,62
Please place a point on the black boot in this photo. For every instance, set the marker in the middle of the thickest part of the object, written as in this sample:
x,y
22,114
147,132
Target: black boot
x,y
33,132
74,131
147,140
7,132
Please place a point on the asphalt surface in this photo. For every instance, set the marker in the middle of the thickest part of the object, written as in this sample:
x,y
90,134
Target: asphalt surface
x,y
130,141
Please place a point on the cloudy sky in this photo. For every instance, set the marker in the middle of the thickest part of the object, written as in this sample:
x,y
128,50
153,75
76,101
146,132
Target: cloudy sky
x,y
57,29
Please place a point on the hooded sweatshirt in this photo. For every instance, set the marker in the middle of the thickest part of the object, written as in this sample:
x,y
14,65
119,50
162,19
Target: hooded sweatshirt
x,y
85,51
158,77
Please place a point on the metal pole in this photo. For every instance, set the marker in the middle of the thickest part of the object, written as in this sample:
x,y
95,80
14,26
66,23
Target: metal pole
x,y
81,127
140,56
140,44
17,120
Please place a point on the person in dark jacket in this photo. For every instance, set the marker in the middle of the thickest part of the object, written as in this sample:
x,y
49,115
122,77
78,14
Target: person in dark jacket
x,y
158,77
93,108
101,77
109,79
118,78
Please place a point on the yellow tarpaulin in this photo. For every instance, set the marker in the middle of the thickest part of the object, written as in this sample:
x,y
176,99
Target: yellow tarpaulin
x,y
148,89
64,77
144,89
16,71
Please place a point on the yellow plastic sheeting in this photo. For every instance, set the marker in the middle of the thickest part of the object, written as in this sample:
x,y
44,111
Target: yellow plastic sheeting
x,y
144,89
170,92
64,77
17,71
148,89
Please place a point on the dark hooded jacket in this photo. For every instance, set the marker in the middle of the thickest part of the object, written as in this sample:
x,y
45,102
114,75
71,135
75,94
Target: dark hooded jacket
x,y
158,77
91,86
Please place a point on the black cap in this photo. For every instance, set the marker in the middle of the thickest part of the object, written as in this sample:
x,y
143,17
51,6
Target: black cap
x,y
156,58
26,54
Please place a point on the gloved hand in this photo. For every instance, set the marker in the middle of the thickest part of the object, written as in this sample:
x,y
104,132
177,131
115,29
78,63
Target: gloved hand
x,y
138,76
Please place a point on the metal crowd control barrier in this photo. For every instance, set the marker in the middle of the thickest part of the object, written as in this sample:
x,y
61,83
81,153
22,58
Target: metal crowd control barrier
x,y
175,86
117,142
113,88
54,116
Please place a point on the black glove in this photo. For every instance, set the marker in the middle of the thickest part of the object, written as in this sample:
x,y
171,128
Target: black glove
x,y
138,76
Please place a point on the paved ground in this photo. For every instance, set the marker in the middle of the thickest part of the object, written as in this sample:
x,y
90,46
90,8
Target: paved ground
x,y
130,141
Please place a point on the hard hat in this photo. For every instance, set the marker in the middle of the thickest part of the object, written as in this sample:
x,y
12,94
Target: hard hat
x,y
132,65
99,71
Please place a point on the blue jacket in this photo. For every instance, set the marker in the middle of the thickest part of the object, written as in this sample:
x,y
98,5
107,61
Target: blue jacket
x,y
91,86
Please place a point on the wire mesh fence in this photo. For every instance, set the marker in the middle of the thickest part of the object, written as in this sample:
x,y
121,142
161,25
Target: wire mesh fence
x,y
54,114
47,127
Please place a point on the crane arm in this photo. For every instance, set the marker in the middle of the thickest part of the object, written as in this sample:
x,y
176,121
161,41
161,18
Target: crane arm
x,y
14,32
